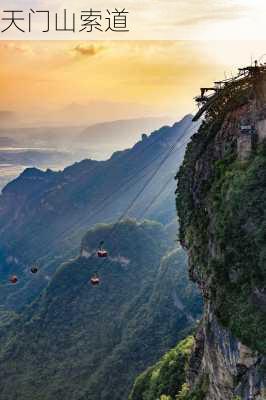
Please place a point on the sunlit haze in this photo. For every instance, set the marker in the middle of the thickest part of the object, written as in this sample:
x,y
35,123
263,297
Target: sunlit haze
x,y
87,82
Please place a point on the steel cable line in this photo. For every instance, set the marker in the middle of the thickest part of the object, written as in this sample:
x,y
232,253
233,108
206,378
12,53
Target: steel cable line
x,y
143,188
148,181
108,199
121,188
157,196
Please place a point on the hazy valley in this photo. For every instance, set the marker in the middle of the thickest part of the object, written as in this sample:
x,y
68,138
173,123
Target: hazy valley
x,y
59,146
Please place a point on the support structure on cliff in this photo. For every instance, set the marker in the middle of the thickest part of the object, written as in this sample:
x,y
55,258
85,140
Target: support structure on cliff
x,y
245,82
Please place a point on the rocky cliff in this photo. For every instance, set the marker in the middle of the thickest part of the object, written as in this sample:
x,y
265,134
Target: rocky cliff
x,y
221,199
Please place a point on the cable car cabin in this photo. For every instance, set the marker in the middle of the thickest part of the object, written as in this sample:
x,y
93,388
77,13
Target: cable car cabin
x,y
95,280
13,279
34,269
102,253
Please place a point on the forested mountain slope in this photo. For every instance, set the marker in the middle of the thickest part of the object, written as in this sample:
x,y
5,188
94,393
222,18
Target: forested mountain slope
x,y
80,342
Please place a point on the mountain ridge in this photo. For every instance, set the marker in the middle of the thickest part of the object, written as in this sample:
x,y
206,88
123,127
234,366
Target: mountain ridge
x,y
86,193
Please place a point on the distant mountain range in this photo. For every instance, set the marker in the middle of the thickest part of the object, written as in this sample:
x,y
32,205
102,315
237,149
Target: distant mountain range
x,y
7,141
13,160
55,147
7,117
95,141
24,156
96,111
106,137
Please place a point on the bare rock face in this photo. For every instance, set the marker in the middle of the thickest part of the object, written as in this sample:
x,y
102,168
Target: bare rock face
x,y
221,202
261,128
244,147
232,368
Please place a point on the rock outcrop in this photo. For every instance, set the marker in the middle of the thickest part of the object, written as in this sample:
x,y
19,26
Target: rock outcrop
x,y
221,201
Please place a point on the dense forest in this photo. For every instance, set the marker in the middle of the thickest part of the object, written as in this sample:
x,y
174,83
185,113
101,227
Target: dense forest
x,y
82,342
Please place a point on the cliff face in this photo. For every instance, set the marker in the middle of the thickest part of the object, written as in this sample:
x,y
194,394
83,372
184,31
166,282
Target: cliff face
x,y
233,370
221,199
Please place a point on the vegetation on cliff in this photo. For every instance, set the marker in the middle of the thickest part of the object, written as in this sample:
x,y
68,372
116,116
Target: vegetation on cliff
x,y
165,379
239,200
221,202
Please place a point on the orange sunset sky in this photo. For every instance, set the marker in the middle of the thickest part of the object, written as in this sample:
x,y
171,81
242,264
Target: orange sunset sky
x,y
39,80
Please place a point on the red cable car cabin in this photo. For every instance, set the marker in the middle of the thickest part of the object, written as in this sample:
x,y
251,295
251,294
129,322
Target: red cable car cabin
x,y
102,253
13,279
95,280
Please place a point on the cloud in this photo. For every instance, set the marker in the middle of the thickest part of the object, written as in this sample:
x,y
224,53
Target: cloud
x,y
85,50
179,19
15,47
217,13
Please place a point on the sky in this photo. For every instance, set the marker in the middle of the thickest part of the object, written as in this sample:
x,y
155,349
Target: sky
x,y
87,81
65,79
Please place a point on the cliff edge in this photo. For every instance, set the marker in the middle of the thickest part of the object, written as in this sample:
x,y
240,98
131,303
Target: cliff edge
x,y
221,202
